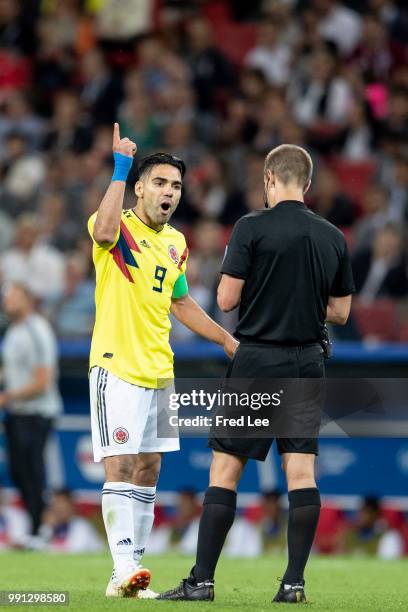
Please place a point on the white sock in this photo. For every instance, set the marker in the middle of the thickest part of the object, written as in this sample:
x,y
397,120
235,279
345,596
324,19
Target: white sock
x,y
143,517
117,511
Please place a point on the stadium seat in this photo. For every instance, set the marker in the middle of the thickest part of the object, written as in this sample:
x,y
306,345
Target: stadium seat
x,y
353,176
160,516
217,11
331,525
393,517
253,514
403,333
404,533
234,39
377,319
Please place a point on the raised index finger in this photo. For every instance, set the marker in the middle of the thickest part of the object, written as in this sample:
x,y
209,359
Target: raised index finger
x,y
116,133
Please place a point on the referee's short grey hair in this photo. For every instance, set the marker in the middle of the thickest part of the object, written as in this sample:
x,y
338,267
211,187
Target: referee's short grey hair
x,y
290,164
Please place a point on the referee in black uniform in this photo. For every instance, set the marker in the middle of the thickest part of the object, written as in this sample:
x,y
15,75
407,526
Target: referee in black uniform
x,y
288,269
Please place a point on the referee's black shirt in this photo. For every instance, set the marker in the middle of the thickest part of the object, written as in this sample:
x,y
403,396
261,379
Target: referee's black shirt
x,y
292,260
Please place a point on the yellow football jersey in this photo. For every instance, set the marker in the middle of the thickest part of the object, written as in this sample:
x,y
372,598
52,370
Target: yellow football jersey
x,y
136,278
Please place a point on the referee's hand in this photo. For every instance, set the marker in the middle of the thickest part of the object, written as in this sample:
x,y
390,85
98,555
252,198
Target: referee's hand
x,y
124,146
230,345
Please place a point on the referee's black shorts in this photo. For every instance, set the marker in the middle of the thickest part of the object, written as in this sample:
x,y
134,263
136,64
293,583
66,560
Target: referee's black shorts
x,y
253,360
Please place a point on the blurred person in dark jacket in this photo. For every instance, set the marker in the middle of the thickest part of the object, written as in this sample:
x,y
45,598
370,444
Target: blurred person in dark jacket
x,y
185,525
101,88
68,131
375,216
329,201
377,54
366,530
381,271
273,524
212,73
208,250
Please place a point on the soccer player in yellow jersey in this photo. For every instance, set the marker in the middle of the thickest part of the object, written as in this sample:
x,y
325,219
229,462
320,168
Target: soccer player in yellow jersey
x,y
140,264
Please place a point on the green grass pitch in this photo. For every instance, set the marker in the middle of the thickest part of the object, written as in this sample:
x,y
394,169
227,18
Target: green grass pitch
x,y
332,583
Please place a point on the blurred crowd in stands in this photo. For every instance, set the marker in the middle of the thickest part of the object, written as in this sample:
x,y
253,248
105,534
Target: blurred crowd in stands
x,y
373,529
218,83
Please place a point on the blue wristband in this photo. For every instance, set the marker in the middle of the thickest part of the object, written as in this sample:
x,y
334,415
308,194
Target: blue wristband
x,y
123,164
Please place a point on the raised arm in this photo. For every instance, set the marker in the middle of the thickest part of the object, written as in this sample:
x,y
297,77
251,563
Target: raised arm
x,y
108,217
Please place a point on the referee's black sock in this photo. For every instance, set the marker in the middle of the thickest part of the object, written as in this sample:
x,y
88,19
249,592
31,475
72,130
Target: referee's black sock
x,y
218,515
304,510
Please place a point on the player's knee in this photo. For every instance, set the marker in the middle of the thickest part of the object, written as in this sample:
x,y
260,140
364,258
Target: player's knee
x,y
299,471
146,472
226,471
299,474
119,468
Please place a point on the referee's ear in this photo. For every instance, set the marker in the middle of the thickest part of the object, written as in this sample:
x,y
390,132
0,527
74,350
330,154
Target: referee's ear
x,y
306,187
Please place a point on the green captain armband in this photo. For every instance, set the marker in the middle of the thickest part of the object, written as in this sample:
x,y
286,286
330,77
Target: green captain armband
x,y
180,288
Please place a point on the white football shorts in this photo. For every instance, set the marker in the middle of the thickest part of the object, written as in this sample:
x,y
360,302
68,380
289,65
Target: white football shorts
x,y
124,417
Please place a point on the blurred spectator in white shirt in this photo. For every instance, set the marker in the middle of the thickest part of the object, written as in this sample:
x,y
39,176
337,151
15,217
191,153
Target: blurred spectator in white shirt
x,y
39,266
23,173
391,545
357,139
339,24
123,20
14,525
243,540
271,54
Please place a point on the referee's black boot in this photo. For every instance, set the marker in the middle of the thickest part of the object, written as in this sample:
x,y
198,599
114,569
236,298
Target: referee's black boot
x,y
291,593
190,590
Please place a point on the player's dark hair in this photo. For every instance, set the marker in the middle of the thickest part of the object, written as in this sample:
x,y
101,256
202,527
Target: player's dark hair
x,y
147,163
